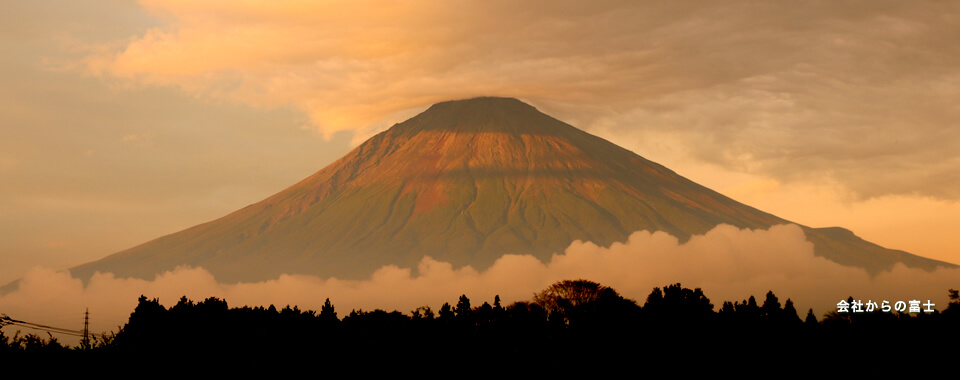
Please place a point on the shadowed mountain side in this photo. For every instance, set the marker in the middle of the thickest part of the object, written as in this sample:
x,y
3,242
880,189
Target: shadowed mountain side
x,y
843,247
463,182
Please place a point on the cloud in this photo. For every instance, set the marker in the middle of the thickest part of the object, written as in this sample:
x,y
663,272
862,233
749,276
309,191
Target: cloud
x,y
727,263
862,95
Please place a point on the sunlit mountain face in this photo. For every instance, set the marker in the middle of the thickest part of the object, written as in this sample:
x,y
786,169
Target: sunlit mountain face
x,y
464,182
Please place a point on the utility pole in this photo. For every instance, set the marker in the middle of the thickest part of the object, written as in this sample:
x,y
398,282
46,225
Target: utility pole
x,y
85,343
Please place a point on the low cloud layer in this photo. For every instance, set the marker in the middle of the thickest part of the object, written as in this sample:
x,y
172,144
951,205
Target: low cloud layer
x,y
728,263
860,94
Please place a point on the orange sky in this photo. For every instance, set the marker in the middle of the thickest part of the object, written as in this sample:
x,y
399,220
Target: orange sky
x,y
125,121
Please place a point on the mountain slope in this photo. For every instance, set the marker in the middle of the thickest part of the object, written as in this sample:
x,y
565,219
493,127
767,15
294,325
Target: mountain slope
x,y
464,182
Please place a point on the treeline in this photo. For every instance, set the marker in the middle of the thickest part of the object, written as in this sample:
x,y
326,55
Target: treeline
x,y
580,315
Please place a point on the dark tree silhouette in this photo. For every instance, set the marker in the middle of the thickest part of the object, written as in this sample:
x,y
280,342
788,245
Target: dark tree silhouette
x,y
953,308
789,314
569,294
673,318
327,313
463,309
446,312
811,319
771,306
678,299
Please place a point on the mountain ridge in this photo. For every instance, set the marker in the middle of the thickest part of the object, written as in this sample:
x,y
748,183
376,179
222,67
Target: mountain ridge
x,y
464,182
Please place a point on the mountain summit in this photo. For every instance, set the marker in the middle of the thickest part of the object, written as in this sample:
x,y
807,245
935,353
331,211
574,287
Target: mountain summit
x,y
464,182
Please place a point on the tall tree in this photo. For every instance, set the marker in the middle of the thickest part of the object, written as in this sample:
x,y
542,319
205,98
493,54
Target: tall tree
x,y
811,319
771,306
327,313
463,309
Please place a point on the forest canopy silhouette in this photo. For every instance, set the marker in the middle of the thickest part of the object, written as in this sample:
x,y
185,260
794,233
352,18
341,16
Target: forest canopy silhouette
x,y
570,314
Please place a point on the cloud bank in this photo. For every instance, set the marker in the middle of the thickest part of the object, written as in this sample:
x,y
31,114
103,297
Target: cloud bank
x,y
728,263
861,95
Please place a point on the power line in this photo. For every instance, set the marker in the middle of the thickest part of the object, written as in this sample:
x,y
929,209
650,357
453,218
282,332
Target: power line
x,y
6,320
